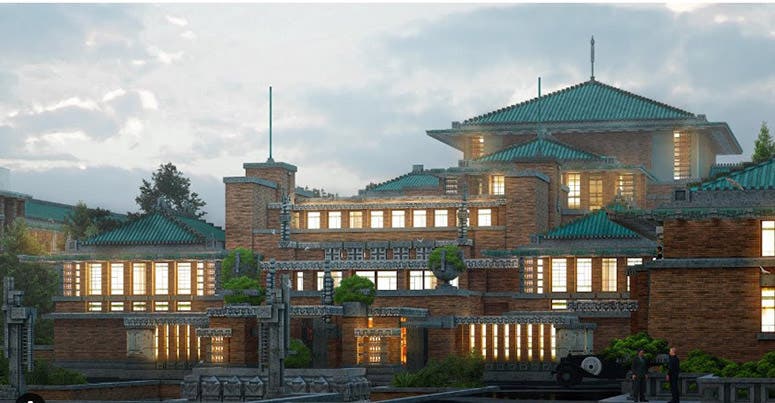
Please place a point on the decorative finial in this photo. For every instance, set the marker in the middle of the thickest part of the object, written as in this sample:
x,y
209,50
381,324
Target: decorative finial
x,y
592,54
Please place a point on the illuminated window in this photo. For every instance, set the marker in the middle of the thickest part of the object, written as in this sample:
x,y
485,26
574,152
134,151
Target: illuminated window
x,y
584,275
367,274
313,220
506,342
768,309
529,336
609,274
184,306
497,185
162,276
94,306
440,218
116,279
553,345
376,219
539,276
534,276
138,306
477,146
559,275
626,186
541,347
632,261
200,278
421,280
299,281
335,275
398,219
419,219
682,146
184,278
387,280
485,217
495,342
768,238
472,337
161,306
217,349
484,340
334,219
138,278
595,192
356,219
519,341
95,279
573,180
450,185
116,306
559,304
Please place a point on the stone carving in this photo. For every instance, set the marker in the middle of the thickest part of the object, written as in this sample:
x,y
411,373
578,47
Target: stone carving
x,y
190,388
607,305
526,319
211,388
241,311
398,311
409,264
317,311
379,332
295,385
318,385
213,332
19,336
253,387
150,322
226,386
232,388
390,206
140,344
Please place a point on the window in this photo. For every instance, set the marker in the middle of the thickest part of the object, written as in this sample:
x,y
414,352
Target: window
x,y
559,275
398,219
367,274
299,281
497,185
94,306
559,304
768,309
116,306
573,180
162,284
506,341
682,146
768,238
595,192
626,186
485,217
161,306
450,185
313,220
477,146
335,275
184,306
356,219
418,219
95,279
200,278
138,278
632,261
421,280
116,279
609,274
138,306
484,339
184,278
376,219
584,275
440,218
495,341
534,276
387,280
334,219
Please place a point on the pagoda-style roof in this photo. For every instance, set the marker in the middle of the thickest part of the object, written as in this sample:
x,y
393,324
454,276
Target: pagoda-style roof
x,y
411,180
160,228
757,177
587,101
594,225
541,147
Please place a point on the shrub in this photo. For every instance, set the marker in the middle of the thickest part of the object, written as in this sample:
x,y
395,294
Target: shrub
x,y
244,290
452,371
247,264
300,357
698,361
453,257
355,289
624,350
44,373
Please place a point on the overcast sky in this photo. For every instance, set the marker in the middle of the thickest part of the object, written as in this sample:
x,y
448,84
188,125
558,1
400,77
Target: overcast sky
x,y
93,98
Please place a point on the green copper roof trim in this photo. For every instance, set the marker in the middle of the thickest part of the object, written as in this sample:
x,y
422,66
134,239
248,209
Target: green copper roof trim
x,y
15,195
540,148
43,210
80,257
410,180
250,179
696,212
587,101
758,177
160,229
581,252
591,226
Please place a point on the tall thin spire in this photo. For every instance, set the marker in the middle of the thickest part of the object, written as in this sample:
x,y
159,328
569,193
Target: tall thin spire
x,y
540,117
592,58
270,126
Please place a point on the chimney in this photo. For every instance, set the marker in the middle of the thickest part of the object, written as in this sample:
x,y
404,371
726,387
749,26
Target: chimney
x,y
417,168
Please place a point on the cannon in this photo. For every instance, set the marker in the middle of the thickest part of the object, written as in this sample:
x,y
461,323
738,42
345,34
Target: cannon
x,y
572,369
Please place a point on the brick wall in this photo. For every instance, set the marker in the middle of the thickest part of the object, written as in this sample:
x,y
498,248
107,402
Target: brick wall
x,y
243,344
712,238
89,340
629,148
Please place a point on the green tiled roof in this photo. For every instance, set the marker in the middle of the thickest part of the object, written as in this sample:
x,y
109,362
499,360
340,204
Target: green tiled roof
x,y
42,210
411,180
159,229
537,148
757,177
591,226
588,101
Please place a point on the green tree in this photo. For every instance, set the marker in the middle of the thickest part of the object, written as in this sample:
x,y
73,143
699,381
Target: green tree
x,y
244,290
78,223
355,289
18,240
40,282
300,356
625,349
169,184
763,147
452,256
247,265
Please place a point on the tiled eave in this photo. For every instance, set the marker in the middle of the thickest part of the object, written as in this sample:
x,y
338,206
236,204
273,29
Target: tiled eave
x,y
382,204
96,256
409,264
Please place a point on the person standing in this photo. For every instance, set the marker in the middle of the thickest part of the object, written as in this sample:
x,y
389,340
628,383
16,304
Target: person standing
x,y
639,375
673,372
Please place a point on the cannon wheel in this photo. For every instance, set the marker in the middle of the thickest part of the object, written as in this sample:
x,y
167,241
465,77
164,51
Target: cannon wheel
x,y
568,376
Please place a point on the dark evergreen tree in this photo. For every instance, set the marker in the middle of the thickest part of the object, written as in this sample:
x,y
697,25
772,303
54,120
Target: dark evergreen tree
x,y
763,147
168,185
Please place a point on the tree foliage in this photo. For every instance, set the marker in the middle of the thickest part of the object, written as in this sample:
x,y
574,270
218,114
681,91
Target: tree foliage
x,y
355,289
247,265
18,240
169,184
300,356
44,373
452,371
453,256
84,222
244,290
763,147
40,283
698,361
623,350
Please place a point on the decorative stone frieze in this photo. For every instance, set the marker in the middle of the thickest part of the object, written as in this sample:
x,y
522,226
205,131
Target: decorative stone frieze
x,y
398,311
387,206
241,311
213,332
411,264
606,305
150,322
378,332
509,319
315,311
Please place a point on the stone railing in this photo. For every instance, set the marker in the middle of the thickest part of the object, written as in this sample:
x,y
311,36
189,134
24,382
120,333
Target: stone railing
x,y
709,388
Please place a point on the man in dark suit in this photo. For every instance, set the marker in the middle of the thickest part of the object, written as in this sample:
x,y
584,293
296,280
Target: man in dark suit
x,y
639,374
673,372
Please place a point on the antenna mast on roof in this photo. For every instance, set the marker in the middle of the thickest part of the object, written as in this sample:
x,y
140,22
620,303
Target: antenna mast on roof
x,y
592,54
540,117
270,125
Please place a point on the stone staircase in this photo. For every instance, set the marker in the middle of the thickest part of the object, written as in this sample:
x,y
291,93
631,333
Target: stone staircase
x,y
381,375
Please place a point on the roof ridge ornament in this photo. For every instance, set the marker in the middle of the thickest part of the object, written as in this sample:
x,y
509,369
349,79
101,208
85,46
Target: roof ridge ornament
x,y
592,57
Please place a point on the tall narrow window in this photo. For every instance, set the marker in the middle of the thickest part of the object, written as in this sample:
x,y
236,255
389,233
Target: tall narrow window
x,y
484,340
539,276
419,219
471,337
626,186
559,275
632,261
116,279
440,218
95,279
356,219
595,192
573,180
200,278
495,341
477,146
398,219
450,185
162,277
768,309
529,336
485,217
541,347
768,238
553,345
387,280
138,279
335,275
682,146
519,341
313,220
497,185
376,219
609,274
506,342
334,219
299,281
184,278
584,275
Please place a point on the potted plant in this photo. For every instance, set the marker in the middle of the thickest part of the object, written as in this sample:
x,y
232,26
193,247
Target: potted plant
x,y
355,294
447,263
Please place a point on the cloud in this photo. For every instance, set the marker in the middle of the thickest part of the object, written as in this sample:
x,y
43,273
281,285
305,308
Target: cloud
x,y
181,22
165,57
188,35
148,99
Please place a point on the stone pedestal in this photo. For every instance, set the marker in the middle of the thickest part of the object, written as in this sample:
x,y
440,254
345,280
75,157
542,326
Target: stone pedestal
x,y
139,344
